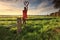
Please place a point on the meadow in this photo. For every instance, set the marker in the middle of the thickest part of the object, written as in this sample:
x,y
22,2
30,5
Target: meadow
x,y
36,28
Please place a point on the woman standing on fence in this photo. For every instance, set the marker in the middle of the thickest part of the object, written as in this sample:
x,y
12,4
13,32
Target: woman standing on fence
x,y
24,15
26,3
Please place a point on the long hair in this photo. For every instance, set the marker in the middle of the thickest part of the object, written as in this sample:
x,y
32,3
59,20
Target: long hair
x,y
25,8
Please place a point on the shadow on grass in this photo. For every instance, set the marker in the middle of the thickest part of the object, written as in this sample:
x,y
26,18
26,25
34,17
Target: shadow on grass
x,y
6,34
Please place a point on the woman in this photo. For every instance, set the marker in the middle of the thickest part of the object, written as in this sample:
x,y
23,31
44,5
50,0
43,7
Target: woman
x,y
24,15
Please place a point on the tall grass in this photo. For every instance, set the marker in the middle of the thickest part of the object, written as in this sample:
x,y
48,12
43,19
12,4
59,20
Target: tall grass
x,y
35,29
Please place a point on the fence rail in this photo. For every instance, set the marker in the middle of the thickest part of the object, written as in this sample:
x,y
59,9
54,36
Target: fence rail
x,y
28,19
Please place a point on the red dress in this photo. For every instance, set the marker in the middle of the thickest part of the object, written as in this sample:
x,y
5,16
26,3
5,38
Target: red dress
x,y
24,14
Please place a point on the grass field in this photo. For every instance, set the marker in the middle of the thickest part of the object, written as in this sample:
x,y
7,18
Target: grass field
x,y
37,28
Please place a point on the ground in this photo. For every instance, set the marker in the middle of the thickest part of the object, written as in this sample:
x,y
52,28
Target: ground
x,y
36,28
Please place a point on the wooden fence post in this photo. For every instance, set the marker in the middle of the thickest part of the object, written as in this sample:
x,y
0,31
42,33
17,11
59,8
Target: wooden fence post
x,y
19,24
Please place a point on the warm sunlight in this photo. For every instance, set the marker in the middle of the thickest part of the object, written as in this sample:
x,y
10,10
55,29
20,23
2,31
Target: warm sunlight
x,y
11,8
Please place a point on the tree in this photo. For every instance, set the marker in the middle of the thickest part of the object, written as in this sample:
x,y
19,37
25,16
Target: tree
x,y
56,3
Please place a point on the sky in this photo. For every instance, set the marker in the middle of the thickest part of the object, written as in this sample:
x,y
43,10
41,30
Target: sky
x,y
36,7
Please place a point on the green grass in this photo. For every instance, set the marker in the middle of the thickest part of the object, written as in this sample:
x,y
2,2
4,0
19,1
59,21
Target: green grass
x,y
37,28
